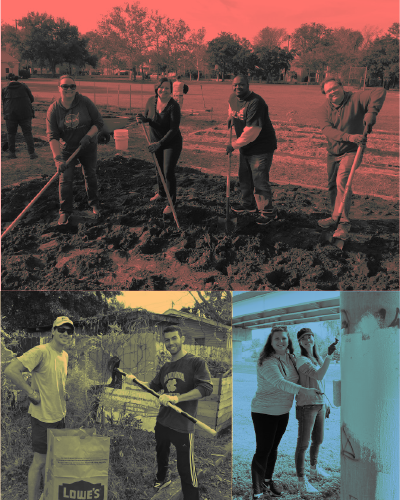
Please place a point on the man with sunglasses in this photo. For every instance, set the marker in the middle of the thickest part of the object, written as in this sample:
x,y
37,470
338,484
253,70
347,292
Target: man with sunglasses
x,y
343,119
48,365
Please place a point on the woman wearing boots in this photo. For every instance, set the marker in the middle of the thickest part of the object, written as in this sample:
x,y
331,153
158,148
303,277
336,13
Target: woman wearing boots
x,y
310,408
276,387
163,115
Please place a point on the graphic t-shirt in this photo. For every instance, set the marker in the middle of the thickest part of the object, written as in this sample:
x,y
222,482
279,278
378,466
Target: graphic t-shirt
x,y
49,374
252,111
179,377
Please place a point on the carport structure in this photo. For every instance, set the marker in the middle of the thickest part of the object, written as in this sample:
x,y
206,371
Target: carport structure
x,y
369,389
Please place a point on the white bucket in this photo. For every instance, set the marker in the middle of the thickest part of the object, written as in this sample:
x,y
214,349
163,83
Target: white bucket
x,y
121,139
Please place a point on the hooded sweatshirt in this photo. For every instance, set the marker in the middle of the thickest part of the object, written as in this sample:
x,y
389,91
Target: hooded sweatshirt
x,y
72,124
338,123
17,99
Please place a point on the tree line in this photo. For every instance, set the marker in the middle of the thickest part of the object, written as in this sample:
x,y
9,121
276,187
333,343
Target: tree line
x,y
131,37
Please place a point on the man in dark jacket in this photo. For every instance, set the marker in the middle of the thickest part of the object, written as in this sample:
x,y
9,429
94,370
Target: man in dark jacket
x,y
17,102
343,119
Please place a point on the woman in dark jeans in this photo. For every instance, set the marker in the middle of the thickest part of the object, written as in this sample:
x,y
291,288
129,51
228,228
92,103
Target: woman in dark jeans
x,y
276,386
163,115
310,408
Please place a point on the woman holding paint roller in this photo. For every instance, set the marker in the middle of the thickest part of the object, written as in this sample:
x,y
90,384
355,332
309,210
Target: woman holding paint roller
x,y
163,115
276,387
310,408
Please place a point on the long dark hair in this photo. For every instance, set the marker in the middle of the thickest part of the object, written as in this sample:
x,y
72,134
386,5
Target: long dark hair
x,y
315,353
160,82
268,350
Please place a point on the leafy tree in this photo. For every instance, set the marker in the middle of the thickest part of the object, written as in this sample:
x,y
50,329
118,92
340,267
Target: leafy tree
x,y
22,309
273,61
309,37
174,43
155,37
269,38
197,49
212,305
224,52
394,30
382,60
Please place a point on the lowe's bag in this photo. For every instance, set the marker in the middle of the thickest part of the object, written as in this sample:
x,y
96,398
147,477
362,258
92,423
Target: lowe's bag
x,y
76,465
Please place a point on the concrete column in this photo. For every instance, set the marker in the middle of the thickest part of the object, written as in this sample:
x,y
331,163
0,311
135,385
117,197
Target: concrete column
x,y
369,396
238,335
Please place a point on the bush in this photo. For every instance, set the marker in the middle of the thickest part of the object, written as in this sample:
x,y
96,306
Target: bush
x,y
24,73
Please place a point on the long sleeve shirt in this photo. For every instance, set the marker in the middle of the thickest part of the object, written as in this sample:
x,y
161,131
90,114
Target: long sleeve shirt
x,y
17,101
276,386
164,126
337,123
309,378
179,377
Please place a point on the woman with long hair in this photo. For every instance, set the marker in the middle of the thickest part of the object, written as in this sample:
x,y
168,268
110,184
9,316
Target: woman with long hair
x,y
163,115
310,408
276,387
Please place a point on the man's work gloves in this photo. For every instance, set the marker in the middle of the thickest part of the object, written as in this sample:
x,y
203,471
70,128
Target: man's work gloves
x,y
103,137
332,348
60,164
84,141
357,138
141,118
369,121
165,399
229,149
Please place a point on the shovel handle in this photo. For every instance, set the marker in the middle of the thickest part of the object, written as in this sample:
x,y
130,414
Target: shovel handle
x,y
29,206
162,179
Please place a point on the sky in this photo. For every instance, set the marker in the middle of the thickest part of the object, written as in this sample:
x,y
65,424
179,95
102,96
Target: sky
x,y
245,19
157,302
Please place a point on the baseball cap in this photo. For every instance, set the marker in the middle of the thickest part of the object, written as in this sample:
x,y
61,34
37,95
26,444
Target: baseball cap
x,y
304,331
62,320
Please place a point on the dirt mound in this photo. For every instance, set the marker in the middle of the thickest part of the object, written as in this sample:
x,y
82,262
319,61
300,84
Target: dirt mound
x,y
133,247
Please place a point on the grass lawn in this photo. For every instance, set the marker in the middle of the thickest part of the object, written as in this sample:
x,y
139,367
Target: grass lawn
x,y
244,386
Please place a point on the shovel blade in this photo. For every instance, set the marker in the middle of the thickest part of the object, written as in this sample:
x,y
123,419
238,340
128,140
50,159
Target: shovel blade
x,y
328,238
228,224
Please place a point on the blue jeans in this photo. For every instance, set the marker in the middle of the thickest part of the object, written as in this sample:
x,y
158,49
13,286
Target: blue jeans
x,y
311,426
26,126
88,159
254,180
338,172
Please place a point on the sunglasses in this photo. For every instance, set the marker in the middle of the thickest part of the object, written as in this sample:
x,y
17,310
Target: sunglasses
x,y
66,87
61,329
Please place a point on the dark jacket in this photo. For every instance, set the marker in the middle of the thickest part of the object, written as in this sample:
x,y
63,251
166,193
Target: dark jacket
x,y
17,101
72,124
164,126
338,123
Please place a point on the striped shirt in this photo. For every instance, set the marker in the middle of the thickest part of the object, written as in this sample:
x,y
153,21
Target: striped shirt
x,y
276,386
308,368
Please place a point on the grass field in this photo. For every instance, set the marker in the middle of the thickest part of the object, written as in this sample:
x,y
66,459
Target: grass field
x,y
244,387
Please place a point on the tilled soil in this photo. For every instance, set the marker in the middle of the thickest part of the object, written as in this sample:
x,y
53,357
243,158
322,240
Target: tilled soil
x,y
134,247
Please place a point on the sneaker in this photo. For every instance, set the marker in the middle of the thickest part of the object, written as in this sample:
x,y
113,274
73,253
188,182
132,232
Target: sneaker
x,y
305,487
265,217
156,197
327,223
33,156
316,472
167,210
96,210
342,232
159,485
63,219
272,488
11,155
241,209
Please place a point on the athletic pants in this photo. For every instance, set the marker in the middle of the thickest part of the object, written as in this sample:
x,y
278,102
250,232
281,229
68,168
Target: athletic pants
x,y
184,444
269,430
167,159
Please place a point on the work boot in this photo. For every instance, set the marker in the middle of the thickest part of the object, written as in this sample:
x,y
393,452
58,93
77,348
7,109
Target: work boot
x,y
316,472
63,219
96,210
33,156
156,197
342,232
160,484
11,155
265,216
239,209
167,210
272,488
305,487
326,223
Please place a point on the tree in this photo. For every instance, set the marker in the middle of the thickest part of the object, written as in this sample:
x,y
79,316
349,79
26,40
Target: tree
x,y
174,43
197,48
394,30
229,53
382,60
273,61
23,309
309,37
269,38
216,306
155,37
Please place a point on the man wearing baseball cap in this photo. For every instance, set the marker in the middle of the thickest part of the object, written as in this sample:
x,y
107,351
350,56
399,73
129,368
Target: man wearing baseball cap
x,y
48,365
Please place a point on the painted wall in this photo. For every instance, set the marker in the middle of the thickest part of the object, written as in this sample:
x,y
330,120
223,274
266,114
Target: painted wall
x,y
369,396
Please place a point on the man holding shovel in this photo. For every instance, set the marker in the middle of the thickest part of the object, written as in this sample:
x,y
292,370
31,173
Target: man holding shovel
x,y
48,365
343,119
185,379
256,141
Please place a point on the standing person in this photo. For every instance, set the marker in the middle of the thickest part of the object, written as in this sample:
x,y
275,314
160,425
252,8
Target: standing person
x,y
276,386
17,102
178,91
73,121
48,365
185,379
163,115
310,408
248,113
343,118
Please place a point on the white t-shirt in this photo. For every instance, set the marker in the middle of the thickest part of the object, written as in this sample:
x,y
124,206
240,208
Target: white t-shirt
x,y
49,374
177,87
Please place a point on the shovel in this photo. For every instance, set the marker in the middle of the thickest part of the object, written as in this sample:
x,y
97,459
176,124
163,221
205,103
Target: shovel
x,y
28,207
228,223
326,237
